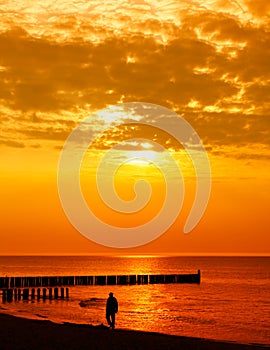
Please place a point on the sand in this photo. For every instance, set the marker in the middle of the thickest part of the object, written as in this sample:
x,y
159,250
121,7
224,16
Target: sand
x,y
20,333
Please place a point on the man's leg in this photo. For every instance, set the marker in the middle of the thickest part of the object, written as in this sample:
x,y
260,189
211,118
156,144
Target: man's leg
x,y
113,320
108,318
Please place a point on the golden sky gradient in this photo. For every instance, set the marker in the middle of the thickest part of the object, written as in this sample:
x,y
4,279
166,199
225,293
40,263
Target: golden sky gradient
x,y
207,60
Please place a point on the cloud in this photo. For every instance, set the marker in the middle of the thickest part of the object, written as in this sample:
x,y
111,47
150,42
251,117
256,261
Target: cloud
x,y
47,134
249,152
259,8
201,61
11,143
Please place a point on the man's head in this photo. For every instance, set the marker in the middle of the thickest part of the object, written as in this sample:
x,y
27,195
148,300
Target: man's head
x,y
111,294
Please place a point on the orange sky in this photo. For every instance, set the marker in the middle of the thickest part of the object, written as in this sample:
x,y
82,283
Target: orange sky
x,y
207,60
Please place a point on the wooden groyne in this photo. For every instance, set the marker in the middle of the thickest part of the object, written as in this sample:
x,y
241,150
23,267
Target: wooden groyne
x,y
61,281
17,294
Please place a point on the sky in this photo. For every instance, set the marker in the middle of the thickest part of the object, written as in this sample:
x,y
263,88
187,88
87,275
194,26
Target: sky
x,y
64,61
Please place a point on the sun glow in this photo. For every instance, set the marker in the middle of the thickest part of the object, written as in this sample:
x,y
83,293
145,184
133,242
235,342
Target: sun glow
x,y
143,157
61,63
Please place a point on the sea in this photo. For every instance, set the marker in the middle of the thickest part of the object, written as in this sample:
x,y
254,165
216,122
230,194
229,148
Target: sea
x,y
232,303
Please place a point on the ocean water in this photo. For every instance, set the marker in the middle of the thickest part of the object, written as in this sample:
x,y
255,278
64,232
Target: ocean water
x,y
232,302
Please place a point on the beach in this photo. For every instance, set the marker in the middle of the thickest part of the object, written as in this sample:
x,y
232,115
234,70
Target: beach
x,y
20,333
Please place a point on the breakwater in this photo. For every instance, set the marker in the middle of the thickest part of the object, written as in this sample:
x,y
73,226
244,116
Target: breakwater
x,y
60,281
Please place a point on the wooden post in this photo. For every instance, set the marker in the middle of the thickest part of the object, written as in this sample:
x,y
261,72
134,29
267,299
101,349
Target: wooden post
x,y
152,279
19,293
100,280
33,293
44,291
132,279
170,278
25,294
50,293
56,293
67,293
145,279
38,293
155,279
17,282
9,295
15,294
2,282
62,292
122,280
111,280
90,280
4,295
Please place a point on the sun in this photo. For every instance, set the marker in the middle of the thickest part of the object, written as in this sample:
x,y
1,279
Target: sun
x,y
142,158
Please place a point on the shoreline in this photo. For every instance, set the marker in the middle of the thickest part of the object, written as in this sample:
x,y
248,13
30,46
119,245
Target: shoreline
x,y
22,333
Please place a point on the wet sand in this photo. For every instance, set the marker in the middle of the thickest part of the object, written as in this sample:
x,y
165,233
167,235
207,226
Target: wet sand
x,y
20,333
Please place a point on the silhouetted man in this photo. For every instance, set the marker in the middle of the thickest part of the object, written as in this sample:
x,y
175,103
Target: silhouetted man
x,y
111,310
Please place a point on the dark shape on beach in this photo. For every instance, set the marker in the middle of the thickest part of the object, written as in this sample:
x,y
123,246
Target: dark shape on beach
x,y
111,310
83,303
89,302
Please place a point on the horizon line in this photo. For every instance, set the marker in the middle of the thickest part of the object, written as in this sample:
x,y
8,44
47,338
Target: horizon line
x,y
142,255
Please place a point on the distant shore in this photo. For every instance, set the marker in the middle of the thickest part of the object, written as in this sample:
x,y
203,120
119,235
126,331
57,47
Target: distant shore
x,y
20,333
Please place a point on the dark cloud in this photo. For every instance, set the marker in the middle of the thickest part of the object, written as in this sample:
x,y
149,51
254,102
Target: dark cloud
x,y
243,156
228,128
45,76
49,76
12,143
135,131
47,134
36,146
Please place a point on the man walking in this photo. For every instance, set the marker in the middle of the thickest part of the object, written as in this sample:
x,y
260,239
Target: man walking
x,y
111,310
